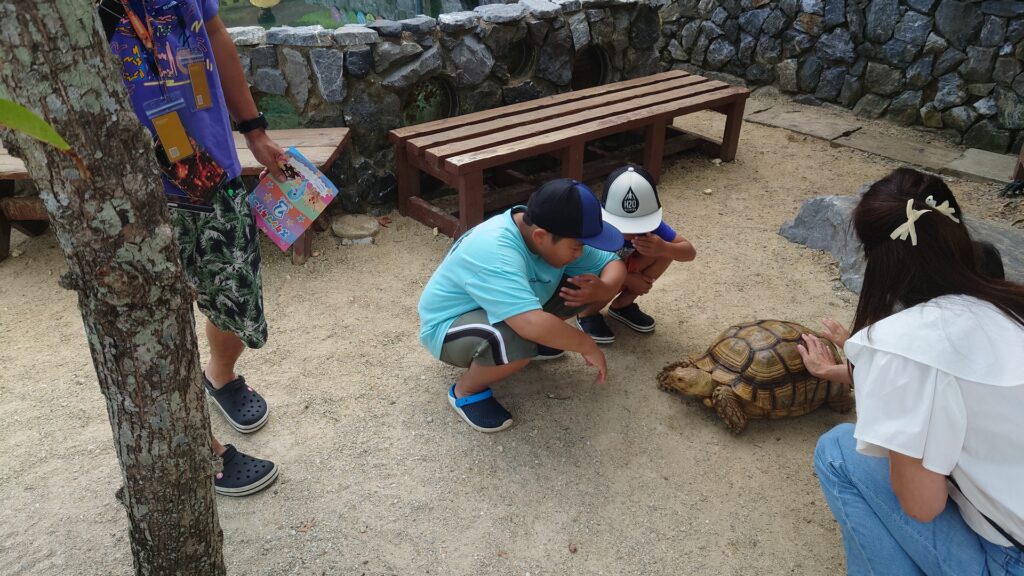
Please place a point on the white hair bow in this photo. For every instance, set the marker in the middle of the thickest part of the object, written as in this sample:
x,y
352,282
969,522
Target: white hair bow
x,y
943,208
907,228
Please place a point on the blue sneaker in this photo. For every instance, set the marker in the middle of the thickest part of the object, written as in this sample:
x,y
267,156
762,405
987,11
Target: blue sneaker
x,y
548,353
482,411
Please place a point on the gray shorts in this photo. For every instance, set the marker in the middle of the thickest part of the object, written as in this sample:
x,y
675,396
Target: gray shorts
x,y
472,338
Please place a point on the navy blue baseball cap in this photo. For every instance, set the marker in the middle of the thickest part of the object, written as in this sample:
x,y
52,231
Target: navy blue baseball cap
x,y
568,208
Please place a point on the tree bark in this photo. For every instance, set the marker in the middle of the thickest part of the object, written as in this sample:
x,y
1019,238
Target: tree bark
x,y
106,205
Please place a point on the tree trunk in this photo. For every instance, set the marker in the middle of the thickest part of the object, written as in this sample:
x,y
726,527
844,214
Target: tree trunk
x,y
107,208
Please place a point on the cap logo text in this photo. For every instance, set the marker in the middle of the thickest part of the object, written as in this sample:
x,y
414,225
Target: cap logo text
x,y
630,203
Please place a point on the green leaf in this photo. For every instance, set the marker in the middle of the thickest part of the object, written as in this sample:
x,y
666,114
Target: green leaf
x,y
24,120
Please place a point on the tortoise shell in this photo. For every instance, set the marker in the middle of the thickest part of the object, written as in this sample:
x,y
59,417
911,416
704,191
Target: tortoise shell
x,y
760,362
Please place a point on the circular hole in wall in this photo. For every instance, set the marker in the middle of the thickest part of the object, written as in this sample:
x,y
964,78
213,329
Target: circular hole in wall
x,y
519,59
432,99
589,68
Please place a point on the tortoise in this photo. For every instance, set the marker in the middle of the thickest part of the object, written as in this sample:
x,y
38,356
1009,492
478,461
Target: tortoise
x,y
754,370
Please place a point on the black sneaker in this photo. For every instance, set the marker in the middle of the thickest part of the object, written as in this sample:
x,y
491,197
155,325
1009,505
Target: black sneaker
x,y
243,408
482,410
632,316
596,328
243,475
548,353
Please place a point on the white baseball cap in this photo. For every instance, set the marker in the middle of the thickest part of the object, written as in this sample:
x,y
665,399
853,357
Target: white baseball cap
x,y
630,201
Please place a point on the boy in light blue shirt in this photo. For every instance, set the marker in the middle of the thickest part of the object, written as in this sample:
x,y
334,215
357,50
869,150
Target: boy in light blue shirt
x,y
500,297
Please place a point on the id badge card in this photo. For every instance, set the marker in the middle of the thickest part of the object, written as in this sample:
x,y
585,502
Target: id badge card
x,y
163,113
196,66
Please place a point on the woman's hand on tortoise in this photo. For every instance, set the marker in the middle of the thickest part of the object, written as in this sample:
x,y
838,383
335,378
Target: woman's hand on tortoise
x,y
836,332
816,355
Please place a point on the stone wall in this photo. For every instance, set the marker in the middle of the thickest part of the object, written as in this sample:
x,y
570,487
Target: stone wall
x,y
952,65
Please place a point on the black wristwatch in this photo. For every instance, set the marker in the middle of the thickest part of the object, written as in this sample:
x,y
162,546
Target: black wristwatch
x,y
246,126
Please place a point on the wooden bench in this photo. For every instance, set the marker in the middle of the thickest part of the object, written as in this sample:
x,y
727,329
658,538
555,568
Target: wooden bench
x,y
457,150
321,145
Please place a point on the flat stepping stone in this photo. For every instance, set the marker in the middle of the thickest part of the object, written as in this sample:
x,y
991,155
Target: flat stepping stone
x,y
802,122
932,158
983,165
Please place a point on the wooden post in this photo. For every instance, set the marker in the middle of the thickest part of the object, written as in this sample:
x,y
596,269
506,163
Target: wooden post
x,y
733,123
654,147
572,160
1018,170
408,177
471,200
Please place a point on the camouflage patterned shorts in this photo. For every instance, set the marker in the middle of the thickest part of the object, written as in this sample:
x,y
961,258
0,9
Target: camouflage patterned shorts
x,y
220,252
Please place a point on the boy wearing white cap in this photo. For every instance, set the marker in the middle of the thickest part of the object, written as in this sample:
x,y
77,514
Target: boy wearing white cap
x,y
630,203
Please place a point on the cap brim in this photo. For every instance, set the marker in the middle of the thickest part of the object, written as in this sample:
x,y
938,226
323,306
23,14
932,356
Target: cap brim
x,y
639,225
609,240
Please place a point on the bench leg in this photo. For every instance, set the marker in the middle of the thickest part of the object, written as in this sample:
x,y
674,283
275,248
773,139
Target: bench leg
x,y
5,236
471,200
572,161
303,248
1018,170
408,178
733,123
654,148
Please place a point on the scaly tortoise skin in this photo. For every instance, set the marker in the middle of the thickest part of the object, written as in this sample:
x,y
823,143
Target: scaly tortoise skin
x,y
755,371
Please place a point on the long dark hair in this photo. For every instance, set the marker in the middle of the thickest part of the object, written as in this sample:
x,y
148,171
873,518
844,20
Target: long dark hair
x,y
942,262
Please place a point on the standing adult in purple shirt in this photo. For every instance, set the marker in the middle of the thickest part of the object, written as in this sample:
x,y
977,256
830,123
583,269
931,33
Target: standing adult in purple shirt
x,y
186,85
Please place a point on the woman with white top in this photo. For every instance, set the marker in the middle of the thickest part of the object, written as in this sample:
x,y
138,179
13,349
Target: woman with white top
x,y
936,357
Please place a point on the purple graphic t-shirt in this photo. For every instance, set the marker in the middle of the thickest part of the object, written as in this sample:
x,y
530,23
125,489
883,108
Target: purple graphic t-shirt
x,y
179,38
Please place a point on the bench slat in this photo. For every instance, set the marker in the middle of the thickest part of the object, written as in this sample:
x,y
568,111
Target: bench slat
x,y
522,134
420,144
559,139
399,134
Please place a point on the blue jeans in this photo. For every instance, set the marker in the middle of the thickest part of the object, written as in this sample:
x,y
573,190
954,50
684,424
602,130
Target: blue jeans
x,y
881,539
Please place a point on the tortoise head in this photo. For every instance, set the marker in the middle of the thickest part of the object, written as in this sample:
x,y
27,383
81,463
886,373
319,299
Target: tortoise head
x,y
687,380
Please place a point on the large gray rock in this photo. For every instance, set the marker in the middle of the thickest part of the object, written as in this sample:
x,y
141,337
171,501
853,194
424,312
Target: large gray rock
x,y
645,29
409,74
768,51
987,135
359,61
270,81
688,35
501,13
809,74
811,24
354,35
960,118
300,36
457,21
1004,8
853,89
329,69
579,26
855,21
899,53
355,227
986,106
760,74
993,31
1011,108
248,35
554,59
958,21
775,23
949,61
882,79
483,96
569,6
786,73
923,6
931,117
871,106
935,44
418,25
371,112
919,74
719,53
837,46
835,13
386,28
521,92
979,63
823,223
386,54
983,89
831,84
710,30
473,61
543,9
905,108
263,57
951,92
297,72
752,21
882,16
1015,31
812,6
914,28
795,43
1006,69
745,55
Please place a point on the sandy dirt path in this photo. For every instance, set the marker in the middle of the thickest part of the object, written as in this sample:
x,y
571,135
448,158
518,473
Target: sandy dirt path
x,y
378,476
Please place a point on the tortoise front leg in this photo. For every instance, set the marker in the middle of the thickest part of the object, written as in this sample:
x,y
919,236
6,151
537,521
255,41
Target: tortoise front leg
x,y
729,409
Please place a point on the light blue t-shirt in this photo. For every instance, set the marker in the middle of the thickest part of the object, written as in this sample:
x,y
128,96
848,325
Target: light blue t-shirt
x,y
491,268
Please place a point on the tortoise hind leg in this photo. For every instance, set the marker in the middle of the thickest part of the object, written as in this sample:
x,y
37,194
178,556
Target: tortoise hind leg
x,y
842,402
728,407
